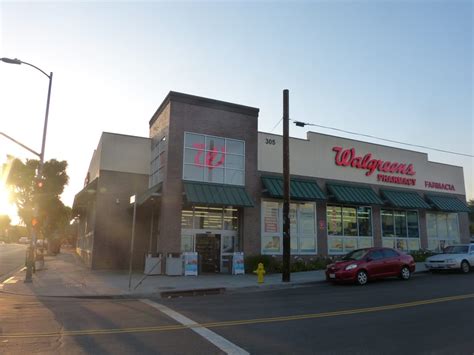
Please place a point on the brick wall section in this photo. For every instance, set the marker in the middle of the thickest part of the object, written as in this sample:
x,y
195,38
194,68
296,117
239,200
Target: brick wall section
x,y
423,229
464,227
322,233
211,117
377,225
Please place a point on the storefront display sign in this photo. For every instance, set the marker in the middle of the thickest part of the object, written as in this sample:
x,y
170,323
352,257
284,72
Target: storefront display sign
x,y
349,158
238,263
190,264
439,186
210,158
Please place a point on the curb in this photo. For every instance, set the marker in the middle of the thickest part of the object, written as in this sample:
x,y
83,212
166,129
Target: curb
x,y
180,293
11,273
193,292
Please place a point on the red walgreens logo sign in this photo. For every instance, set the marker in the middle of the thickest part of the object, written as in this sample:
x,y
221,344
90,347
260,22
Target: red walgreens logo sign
x,y
211,159
349,158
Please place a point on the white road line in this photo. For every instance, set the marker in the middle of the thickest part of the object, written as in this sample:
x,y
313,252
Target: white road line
x,y
209,335
9,280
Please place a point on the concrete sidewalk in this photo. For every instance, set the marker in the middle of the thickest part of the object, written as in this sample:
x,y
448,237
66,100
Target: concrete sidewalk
x,y
66,276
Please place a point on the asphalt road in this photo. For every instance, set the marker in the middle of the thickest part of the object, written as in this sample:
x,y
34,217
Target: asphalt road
x,y
12,256
430,314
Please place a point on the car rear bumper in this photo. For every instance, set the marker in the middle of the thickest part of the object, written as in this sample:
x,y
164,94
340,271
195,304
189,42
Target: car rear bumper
x,y
442,266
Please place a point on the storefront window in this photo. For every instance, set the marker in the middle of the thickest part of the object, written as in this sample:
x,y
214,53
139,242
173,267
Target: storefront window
x,y
442,225
186,219
306,218
293,221
400,230
213,159
364,219
271,217
443,230
400,218
336,245
271,244
302,227
334,220
208,218
235,147
349,221
157,161
388,229
187,244
307,245
349,228
214,175
230,219
191,172
412,224
234,177
228,244
216,220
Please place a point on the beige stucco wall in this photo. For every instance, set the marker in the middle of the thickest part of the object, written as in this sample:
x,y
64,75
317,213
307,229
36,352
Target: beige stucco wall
x,y
314,157
126,154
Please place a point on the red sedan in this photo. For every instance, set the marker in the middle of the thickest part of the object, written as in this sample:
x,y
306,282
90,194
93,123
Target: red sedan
x,y
362,265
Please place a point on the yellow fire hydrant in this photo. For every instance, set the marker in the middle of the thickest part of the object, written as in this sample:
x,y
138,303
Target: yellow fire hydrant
x,y
260,272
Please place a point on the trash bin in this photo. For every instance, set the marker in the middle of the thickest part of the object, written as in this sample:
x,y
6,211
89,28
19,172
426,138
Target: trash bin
x,y
153,264
174,264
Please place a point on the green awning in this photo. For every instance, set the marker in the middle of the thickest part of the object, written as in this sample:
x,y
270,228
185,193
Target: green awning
x,y
448,203
151,192
405,199
216,194
360,195
299,189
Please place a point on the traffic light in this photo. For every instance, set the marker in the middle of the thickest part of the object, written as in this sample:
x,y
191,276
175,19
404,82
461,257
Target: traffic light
x,y
34,222
40,183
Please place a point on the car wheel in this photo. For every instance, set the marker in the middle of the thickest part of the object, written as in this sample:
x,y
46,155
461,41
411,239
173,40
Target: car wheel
x,y
405,273
465,267
362,278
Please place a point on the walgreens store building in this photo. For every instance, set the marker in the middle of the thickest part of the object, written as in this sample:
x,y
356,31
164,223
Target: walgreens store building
x,y
354,194
207,181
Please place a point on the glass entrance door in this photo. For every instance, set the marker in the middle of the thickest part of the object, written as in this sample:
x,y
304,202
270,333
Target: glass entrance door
x,y
208,247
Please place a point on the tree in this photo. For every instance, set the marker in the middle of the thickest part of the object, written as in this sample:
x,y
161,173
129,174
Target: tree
x,y
28,192
4,225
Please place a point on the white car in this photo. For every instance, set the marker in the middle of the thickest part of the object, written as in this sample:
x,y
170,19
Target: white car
x,y
23,240
460,257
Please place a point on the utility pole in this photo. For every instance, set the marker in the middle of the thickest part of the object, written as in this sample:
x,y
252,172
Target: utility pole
x,y
286,188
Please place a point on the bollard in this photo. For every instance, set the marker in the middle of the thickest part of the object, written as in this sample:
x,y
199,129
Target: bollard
x,y
260,272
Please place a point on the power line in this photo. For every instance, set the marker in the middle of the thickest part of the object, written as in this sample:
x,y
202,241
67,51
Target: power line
x,y
302,124
276,125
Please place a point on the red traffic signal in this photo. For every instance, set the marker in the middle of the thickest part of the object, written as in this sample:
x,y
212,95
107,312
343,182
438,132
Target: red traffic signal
x,y
34,222
40,183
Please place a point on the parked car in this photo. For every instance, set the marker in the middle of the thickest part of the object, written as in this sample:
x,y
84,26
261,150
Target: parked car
x,y
23,240
454,257
362,265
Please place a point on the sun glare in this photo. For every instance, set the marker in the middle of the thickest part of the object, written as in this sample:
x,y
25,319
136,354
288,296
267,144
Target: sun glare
x,y
5,206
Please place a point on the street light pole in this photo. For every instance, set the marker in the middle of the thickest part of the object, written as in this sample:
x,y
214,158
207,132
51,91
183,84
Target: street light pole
x,y
30,252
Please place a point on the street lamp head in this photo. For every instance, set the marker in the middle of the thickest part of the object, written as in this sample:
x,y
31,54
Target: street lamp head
x,y
11,61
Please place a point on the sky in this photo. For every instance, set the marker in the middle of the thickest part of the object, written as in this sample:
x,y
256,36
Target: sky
x,y
401,70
